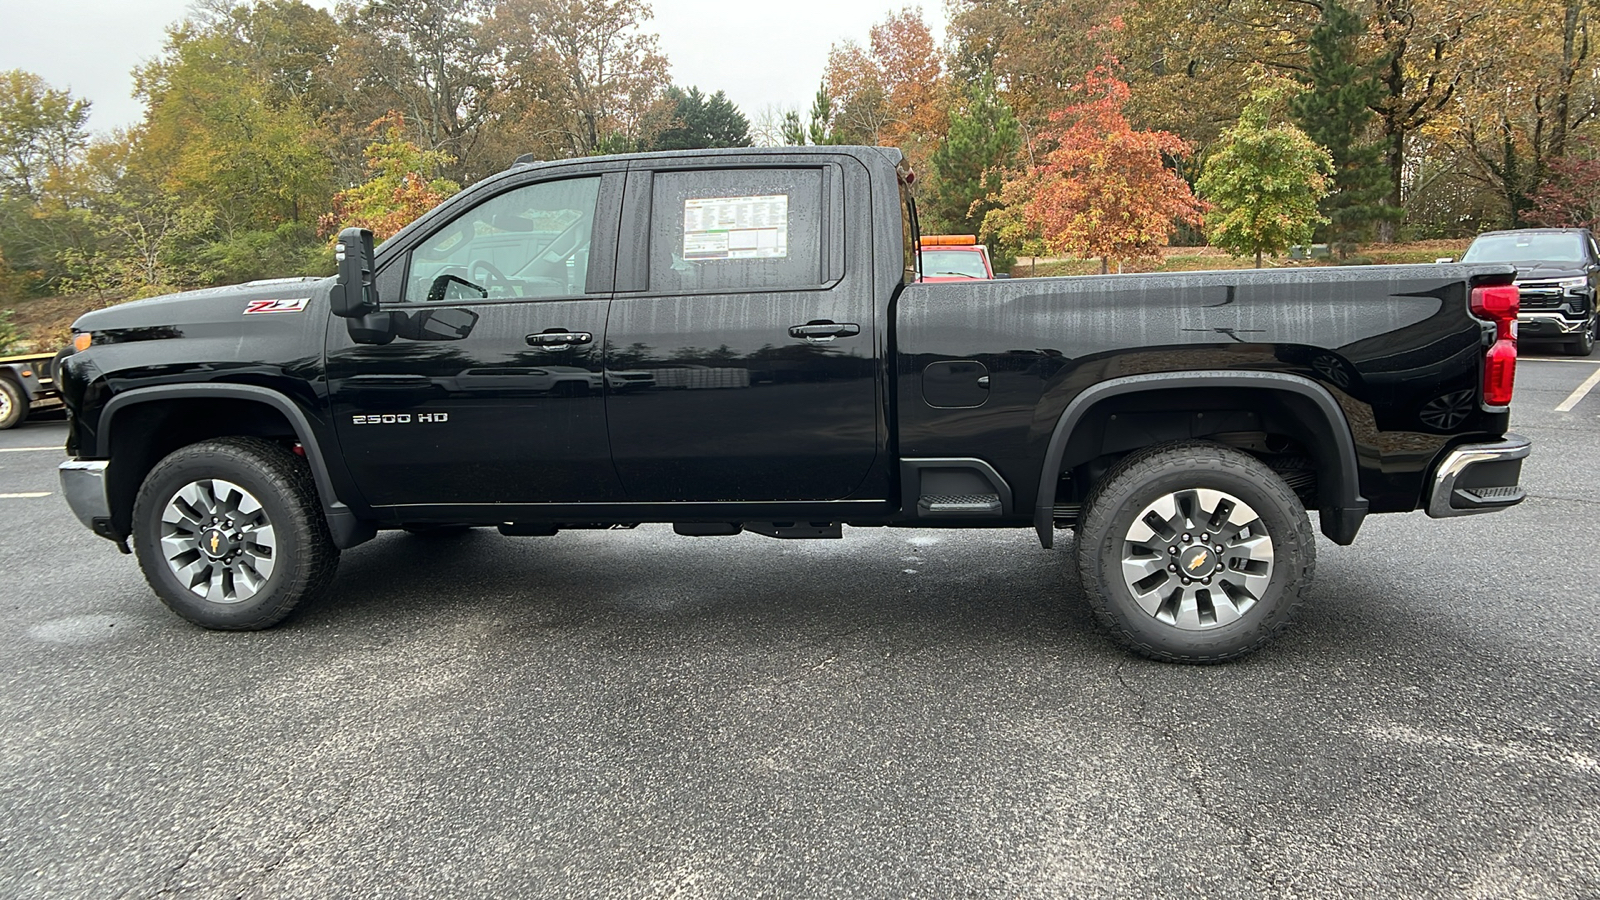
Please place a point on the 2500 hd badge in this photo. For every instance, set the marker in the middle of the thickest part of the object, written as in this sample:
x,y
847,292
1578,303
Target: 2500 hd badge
x,y
400,419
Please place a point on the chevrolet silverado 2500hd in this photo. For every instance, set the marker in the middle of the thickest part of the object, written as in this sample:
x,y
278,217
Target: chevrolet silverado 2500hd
x,y
738,341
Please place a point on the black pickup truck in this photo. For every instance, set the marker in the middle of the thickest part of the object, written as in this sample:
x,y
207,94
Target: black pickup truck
x,y
738,341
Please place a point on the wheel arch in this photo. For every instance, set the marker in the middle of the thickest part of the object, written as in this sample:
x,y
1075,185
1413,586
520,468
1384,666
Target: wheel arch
x,y
1339,500
212,410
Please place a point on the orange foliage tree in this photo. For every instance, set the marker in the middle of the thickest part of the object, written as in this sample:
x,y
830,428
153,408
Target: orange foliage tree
x,y
400,189
1101,189
891,93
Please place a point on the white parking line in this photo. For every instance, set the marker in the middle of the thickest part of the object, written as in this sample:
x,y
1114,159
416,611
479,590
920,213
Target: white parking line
x,y
1576,397
1552,359
29,449
28,495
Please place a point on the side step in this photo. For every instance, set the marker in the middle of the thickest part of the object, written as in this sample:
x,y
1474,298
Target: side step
x,y
960,505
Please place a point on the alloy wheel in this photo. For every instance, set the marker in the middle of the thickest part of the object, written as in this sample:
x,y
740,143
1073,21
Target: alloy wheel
x,y
218,540
1197,559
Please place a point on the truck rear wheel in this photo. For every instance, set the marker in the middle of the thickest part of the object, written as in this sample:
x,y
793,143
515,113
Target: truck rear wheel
x,y
1194,552
13,406
230,534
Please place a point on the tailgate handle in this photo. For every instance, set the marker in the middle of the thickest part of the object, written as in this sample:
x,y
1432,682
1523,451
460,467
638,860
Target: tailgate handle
x,y
823,330
554,338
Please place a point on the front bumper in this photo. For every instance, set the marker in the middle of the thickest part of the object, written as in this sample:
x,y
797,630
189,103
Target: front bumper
x,y
1479,478
1548,326
83,482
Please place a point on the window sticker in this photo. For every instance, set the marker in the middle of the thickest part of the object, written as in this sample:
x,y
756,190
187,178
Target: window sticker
x,y
736,227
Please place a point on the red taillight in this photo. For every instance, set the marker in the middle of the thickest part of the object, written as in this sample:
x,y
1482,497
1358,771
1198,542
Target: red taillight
x,y
1499,305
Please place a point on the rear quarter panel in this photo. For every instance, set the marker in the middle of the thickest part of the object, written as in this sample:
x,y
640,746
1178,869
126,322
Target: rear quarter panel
x,y
1395,345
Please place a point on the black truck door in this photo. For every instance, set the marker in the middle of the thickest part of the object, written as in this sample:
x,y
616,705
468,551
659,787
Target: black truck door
x,y
744,300
493,391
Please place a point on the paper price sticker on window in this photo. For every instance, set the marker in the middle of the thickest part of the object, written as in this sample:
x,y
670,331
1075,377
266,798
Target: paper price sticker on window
x,y
736,227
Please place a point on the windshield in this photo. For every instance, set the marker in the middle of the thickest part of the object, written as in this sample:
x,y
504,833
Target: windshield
x,y
953,262
1512,248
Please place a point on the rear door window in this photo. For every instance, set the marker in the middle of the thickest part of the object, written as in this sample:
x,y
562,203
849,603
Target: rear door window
x,y
736,230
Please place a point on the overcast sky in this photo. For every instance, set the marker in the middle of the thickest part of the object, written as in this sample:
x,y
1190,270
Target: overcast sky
x,y
757,52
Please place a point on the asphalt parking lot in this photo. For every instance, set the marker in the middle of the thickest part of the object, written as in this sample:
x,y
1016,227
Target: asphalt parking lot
x,y
898,714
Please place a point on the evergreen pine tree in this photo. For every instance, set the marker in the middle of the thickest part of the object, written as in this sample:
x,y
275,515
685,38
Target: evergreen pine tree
x,y
1335,111
983,139
699,122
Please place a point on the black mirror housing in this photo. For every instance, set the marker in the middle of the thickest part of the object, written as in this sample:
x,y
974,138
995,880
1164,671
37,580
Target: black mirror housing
x,y
354,293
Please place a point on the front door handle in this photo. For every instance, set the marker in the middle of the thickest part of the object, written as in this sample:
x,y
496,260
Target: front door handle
x,y
554,338
824,330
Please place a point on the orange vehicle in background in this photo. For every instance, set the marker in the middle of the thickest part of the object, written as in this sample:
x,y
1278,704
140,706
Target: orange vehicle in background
x,y
955,257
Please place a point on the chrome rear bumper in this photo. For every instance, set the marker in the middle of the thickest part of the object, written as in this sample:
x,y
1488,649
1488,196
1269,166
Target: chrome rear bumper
x,y
1479,478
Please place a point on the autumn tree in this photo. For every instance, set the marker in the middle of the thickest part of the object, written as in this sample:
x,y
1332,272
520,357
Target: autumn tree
x,y
1101,189
1570,196
1335,111
435,62
699,122
1264,181
891,91
401,189
41,129
1039,51
1522,102
580,75
42,135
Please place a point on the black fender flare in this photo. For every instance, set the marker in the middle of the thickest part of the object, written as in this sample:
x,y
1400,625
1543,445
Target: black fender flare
x,y
347,530
1342,506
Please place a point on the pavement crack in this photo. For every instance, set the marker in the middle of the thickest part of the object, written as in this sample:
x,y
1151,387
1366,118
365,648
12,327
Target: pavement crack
x,y
1244,840
294,843
172,874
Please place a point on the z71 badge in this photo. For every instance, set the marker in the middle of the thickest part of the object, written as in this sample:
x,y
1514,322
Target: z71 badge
x,y
257,307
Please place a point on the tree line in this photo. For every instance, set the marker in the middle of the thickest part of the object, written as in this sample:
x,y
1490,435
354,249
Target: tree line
x,y
1102,129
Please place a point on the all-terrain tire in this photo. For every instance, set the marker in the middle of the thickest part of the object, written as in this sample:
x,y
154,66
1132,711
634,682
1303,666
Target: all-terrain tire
x,y
1583,345
253,484
1133,575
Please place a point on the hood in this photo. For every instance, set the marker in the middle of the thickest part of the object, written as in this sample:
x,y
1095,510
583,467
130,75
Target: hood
x,y
192,313
1545,271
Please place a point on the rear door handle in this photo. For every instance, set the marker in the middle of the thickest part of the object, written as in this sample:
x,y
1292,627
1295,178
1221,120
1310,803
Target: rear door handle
x,y
823,330
559,338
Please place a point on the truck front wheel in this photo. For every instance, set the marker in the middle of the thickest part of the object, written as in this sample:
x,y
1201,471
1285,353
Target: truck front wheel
x,y
230,534
1194,552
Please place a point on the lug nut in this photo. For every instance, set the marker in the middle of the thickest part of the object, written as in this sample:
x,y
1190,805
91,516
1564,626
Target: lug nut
x,y
1204,538
1173,550
1187,539
1208,580
1172,568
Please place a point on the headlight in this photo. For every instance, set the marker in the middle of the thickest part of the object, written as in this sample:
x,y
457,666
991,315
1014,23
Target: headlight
x,y
1573,284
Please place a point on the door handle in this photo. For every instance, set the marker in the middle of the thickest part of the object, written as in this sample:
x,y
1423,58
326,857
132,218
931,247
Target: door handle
x,y
559,338
823,330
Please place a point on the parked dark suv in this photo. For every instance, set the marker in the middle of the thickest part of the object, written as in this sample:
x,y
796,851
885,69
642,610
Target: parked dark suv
x,y
1558,270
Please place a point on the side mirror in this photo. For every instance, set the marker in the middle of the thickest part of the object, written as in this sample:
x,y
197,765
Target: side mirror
x,y
354,294
373,328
